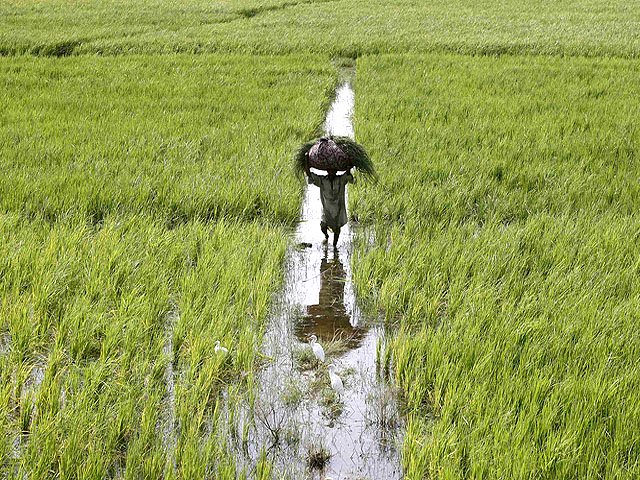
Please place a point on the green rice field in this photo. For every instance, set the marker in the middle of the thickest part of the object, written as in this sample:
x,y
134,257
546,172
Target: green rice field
x,y
333,27
147,200
113,269
84,135
506,246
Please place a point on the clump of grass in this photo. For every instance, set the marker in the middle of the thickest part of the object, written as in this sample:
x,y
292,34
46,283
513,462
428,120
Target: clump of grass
x,y
337,346
264,467
319,380
383,359
328,397
317,456
27,410
304,358
384,414
292,394
331,403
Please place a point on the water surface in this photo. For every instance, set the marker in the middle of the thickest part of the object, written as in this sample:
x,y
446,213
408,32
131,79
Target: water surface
x,y
305,430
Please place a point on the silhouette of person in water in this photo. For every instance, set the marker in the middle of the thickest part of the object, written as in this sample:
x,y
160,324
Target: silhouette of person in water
x,y
332,194
329,317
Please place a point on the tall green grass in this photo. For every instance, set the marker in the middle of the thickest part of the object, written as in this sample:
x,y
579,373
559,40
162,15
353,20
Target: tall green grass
x,y
336,28
145,206
506,246
177,137
59,27
94,309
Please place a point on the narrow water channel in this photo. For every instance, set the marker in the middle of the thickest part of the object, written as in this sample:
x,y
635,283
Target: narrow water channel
x,y
296,421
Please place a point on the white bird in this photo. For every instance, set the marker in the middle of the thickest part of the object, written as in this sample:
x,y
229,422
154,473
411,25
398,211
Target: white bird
x,y
219,349
336,381
318,351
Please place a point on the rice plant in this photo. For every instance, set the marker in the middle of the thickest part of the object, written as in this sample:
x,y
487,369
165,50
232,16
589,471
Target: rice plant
x,y
342,28
133,236
506,231
176,137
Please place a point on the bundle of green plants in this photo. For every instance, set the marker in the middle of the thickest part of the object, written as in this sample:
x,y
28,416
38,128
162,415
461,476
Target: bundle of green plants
x,y
355,153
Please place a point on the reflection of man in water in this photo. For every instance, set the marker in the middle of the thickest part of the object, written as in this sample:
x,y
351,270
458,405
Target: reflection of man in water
x,y
329,318
332,194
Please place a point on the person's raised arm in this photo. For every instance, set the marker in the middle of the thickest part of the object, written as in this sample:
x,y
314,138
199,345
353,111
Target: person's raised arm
x,y
349,178
307,171
312,178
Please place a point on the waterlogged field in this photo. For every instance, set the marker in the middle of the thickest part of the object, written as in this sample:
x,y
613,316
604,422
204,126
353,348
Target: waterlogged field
x,y
109,362
506,246
334,27
133,235
146,202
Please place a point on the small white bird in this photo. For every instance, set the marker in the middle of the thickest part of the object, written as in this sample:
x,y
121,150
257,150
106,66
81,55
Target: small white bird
x,y
336,381
318,351
219,349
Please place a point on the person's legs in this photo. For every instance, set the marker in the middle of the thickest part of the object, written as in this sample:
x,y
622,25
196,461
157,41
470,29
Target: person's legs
x,y
336,235
323,227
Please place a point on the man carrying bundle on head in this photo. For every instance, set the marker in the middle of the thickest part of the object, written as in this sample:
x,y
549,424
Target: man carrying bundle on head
x,y
332,194
333,154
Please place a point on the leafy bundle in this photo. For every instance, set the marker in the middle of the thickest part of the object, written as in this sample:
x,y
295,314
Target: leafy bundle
x,y
358,156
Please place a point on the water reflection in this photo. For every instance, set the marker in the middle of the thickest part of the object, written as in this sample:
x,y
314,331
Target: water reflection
x,y
329,319
288,417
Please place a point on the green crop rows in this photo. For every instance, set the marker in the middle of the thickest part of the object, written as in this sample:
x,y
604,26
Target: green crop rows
x,y
506,243
334,27
179,138
147,195
135,235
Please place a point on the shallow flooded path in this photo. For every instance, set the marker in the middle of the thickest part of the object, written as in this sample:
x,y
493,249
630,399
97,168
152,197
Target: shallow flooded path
x,y
297,421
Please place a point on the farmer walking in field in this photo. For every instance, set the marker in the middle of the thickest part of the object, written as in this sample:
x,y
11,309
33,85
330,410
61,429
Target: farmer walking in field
x,y
333,154
332,194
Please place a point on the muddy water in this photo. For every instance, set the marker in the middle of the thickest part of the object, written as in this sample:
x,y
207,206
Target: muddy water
x,y
29,389
304,429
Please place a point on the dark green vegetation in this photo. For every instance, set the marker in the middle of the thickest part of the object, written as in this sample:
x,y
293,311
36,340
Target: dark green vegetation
x,y
133,236
337,28
507,246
